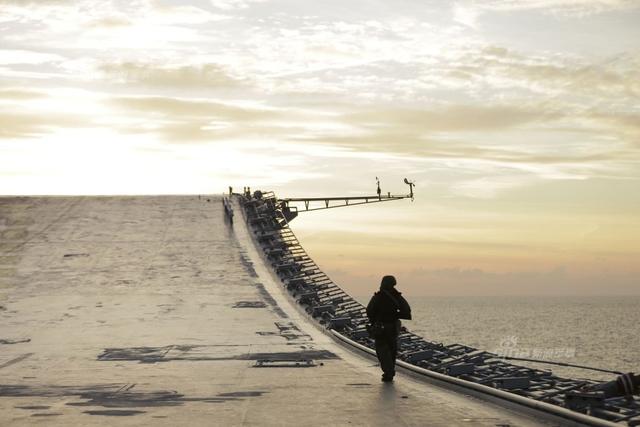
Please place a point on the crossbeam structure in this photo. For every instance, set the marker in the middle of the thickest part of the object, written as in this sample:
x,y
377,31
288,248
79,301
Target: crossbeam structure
x,y
347,201
290,208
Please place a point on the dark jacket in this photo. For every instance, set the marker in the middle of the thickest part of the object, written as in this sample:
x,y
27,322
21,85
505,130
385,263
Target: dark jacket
x,y
383,308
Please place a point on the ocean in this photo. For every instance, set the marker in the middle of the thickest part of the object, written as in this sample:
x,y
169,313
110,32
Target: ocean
x,y
601,332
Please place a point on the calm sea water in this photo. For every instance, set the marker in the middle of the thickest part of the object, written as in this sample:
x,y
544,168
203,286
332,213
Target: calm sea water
x,y
602,332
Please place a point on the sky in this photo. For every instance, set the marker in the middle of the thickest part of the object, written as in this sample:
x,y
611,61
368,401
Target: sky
x,y
518,120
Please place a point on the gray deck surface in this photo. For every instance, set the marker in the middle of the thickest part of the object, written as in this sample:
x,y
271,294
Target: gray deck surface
x,y
153,310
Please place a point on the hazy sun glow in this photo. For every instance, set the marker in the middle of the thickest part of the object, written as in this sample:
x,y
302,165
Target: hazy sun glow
x,y
518,120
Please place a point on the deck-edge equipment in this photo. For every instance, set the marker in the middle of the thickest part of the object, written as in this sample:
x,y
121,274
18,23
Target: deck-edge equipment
x,y
580,401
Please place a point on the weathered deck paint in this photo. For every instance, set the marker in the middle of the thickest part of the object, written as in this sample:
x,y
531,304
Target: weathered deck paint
x,y
153,310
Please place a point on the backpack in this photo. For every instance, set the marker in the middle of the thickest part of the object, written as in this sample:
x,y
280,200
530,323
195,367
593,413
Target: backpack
x,y
404,311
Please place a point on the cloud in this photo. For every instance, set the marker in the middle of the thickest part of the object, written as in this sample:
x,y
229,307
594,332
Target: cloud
x,y
20,94
420,131
611,78
477,275
183,14
204,76
19,56
185,108
35,2
455,118
425,147
23,125
93,26
234,4
489,187
482,144
465,15
183,120
557,7
474,281
113,21
559,280
626,126
628,121
484,74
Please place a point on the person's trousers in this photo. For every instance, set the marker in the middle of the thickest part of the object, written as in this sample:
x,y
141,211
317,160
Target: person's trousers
x,y
387,349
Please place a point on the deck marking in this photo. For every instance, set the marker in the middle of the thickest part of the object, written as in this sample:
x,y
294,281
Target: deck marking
x,y
16,360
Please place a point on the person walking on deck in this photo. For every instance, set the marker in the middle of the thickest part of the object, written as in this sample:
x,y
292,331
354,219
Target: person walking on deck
x,y
386,308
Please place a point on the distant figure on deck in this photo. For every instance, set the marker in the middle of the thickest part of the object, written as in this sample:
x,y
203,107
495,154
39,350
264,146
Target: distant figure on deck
x,y
386,308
